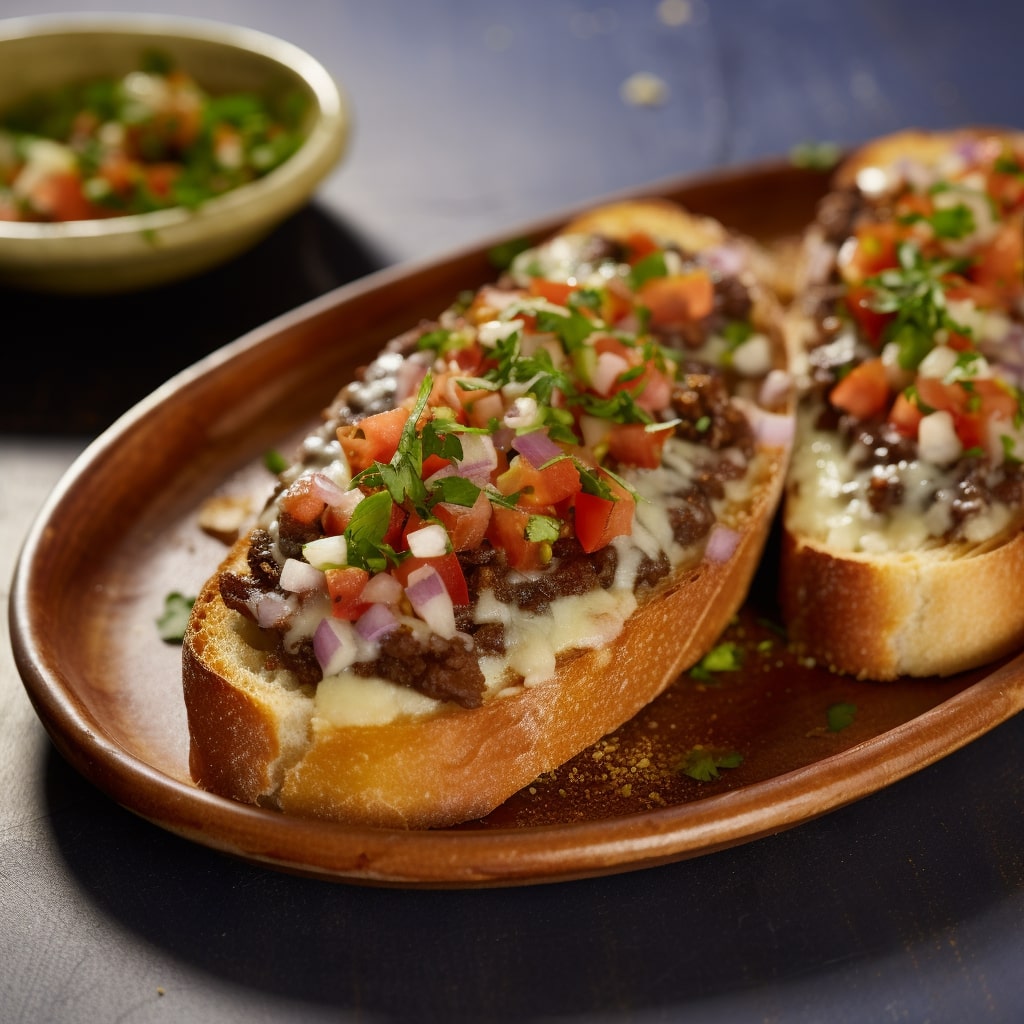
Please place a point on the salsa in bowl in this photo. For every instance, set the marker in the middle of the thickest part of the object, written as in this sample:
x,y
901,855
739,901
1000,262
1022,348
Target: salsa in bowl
x,y
136,150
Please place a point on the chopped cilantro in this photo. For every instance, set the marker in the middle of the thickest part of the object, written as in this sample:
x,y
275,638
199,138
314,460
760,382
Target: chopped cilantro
x,y
953,222
455,490
914,292
586,298
726,657
366,530
572,329
840,716
736,332
275,461
542,528
650,266
174,618
703,763
502,255
815,156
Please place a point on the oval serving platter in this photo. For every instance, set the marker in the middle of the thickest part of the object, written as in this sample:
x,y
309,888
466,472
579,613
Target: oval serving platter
x,y
714,762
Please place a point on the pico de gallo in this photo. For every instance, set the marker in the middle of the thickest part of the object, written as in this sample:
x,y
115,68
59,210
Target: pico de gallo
x,y
918,352
503,482
148,140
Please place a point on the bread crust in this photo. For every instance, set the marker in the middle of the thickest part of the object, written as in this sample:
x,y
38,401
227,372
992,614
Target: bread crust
x,y
937,610
255,735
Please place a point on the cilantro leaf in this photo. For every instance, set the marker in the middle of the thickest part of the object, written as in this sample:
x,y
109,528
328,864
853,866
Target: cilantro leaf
x,y
542,528
502,255
726,657
840,716
275,461
953,221
365,533
645,269
703,763
572,329
455,490
815,156
914,292
174,618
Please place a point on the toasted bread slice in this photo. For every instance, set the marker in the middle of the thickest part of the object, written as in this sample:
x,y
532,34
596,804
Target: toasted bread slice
x,y
902,547
374,752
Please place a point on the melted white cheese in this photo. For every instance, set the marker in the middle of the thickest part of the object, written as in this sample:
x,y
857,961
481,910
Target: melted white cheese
x,y
534,641
831,500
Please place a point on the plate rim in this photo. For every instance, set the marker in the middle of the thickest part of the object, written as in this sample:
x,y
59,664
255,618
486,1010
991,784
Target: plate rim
x,y
465,858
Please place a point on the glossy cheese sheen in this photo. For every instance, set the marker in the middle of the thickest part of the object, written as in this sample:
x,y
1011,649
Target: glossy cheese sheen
x,y
833,507
534,641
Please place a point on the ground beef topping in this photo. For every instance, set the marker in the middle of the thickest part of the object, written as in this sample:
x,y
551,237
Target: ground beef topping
x,y
519,349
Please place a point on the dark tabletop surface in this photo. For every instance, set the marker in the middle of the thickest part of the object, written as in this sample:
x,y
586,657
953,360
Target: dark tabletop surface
x,y
470,118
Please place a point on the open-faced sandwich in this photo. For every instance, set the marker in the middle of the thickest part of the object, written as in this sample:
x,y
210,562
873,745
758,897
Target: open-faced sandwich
x,y
513,532
903,551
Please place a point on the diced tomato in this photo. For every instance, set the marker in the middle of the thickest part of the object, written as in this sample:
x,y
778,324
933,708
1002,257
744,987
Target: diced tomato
x,y
864,391
466,526
469,358
544,486
972,407
616,303
985,400
161,177
914,204
396,527
448,567
301,502
871,250
598,521
1006,187
344,586
59,197
557,292
905,415
633,445
507,532
373,439
999,266
640,244
335,520
872,323
678,298
432,464
120,172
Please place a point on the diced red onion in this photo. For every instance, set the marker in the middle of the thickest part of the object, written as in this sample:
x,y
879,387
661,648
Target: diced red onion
x,y
594,430
775,388
271,609
348,501
299,577
326,489
610,365
335,645
487,407
409,377
378,620
479,458
536,447
382,588
728,259
722,542
430,541
774,429
430,600
522,413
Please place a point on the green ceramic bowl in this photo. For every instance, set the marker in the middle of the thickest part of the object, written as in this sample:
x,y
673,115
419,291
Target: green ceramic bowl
x,y
131,252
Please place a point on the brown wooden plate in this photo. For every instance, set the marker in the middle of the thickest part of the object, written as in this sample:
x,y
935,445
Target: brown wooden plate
x,y
121,531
